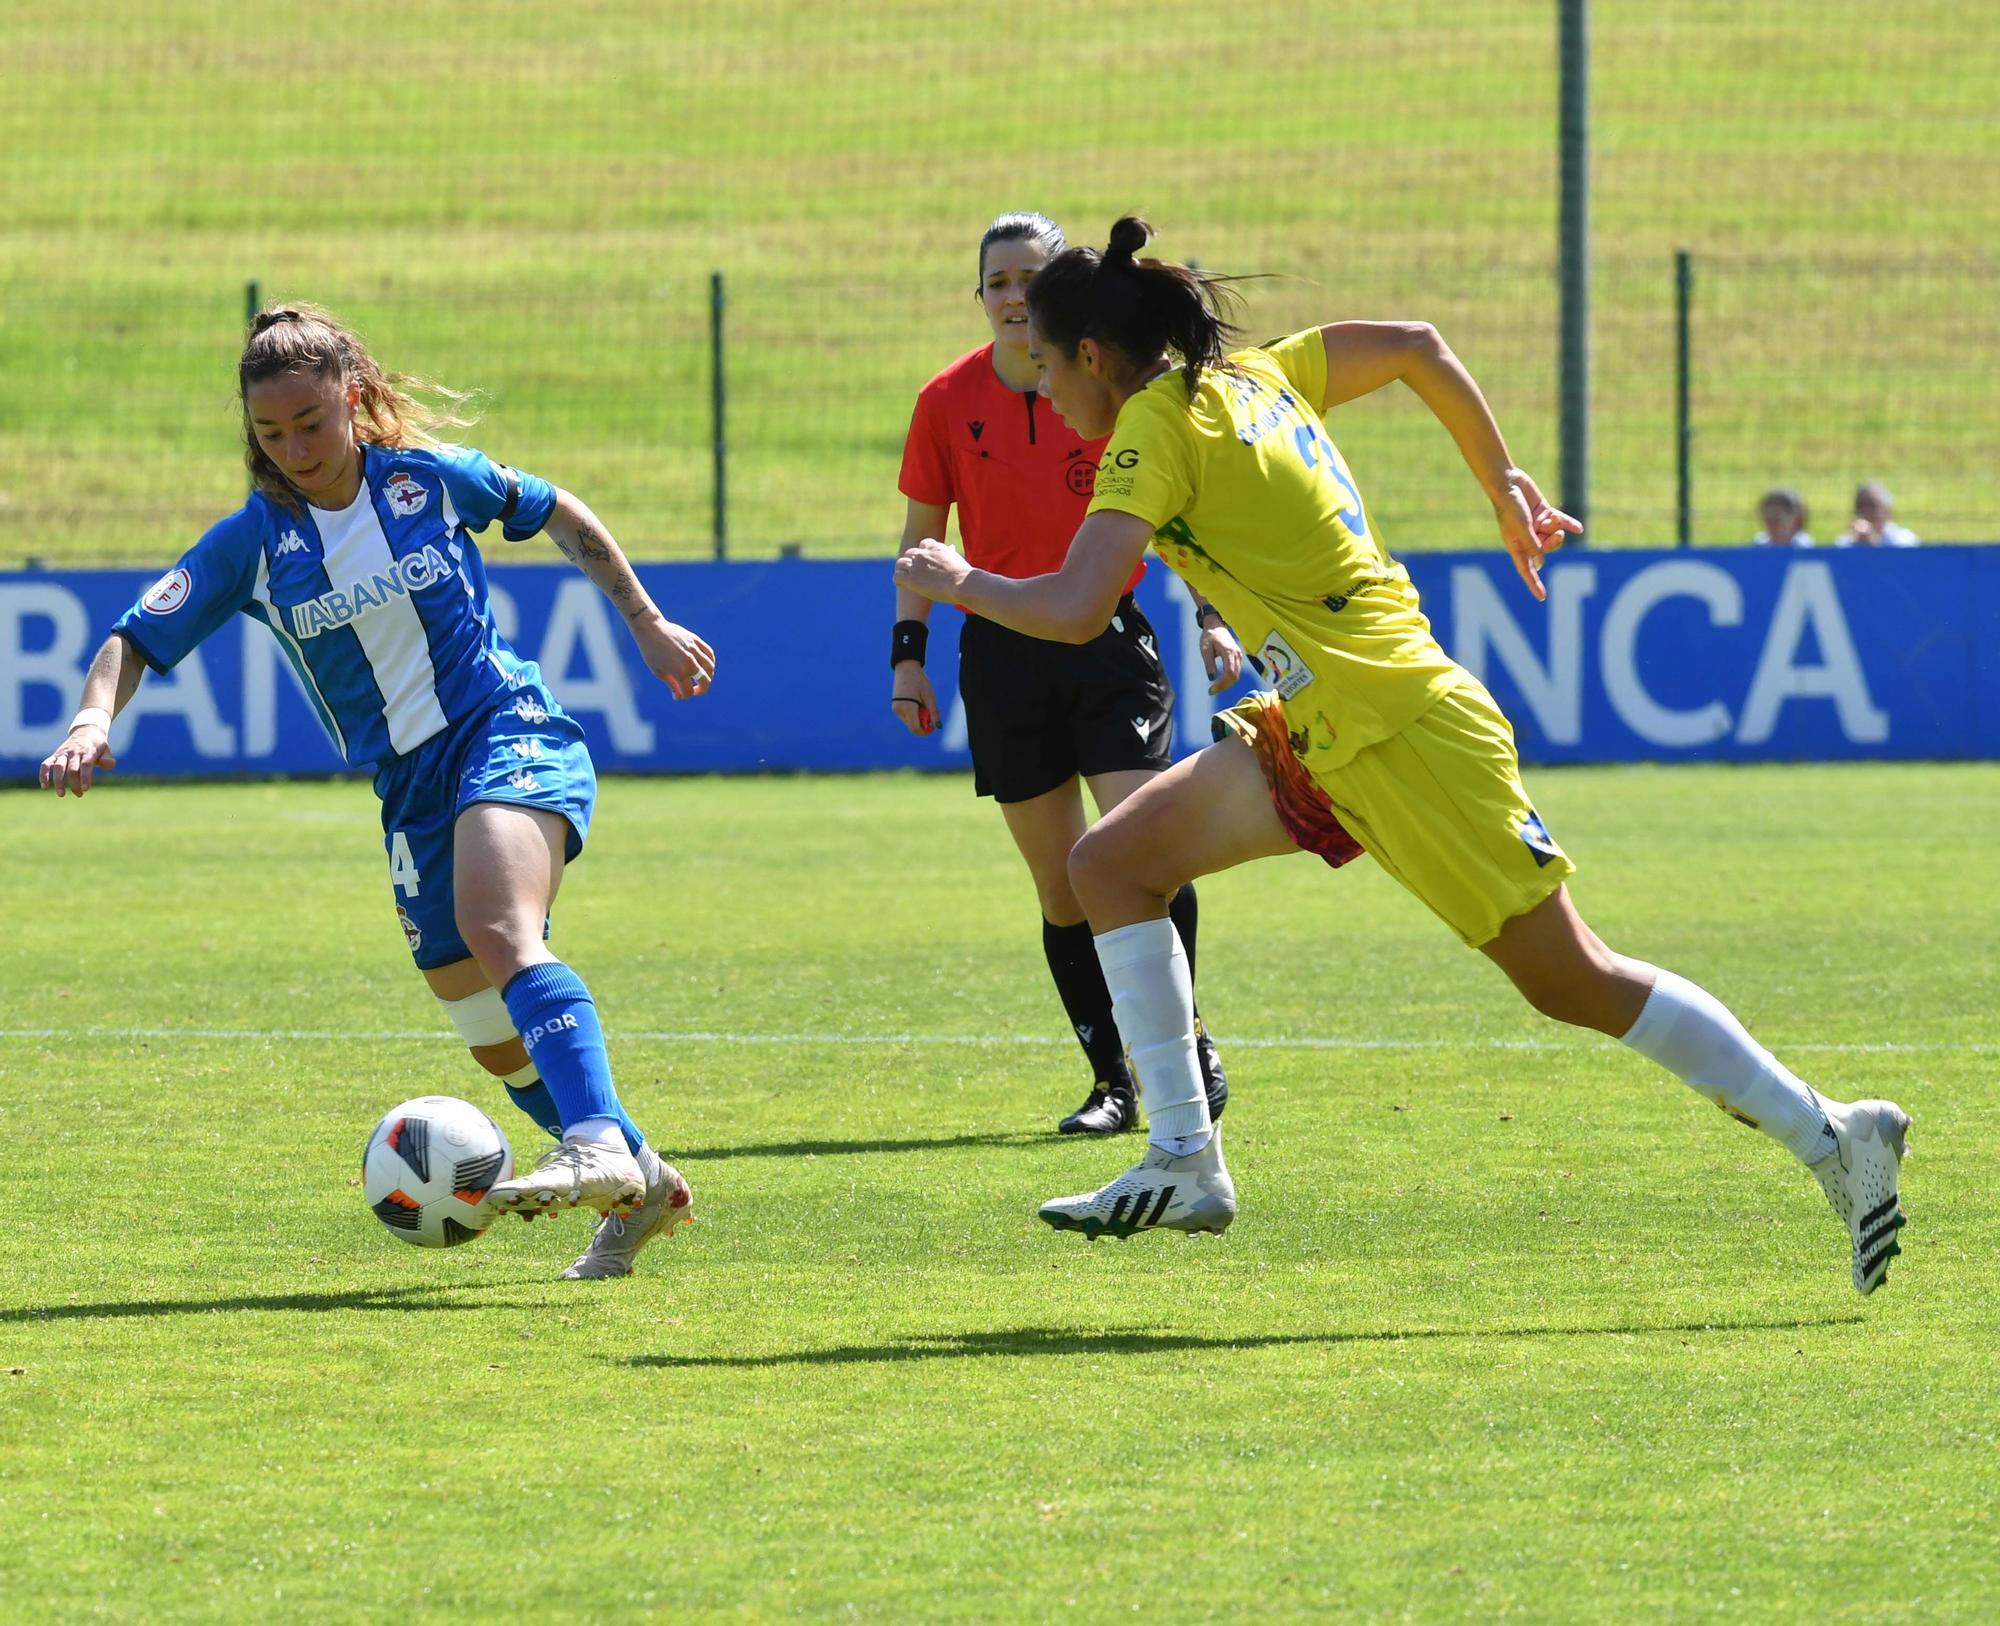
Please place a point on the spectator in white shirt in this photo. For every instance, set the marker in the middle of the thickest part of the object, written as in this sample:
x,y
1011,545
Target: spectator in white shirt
x,y
1783,512
1871,526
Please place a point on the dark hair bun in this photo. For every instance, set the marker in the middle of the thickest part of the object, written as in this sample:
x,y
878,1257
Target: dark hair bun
x,y
1128,236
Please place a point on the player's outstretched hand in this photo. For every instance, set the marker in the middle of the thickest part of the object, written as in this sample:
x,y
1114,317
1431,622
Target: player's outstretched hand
x,y
913,699
71,765
931,570
677,657
1221,656
1531,527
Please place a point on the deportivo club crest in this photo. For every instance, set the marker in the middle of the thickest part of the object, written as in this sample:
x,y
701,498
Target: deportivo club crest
x,y
405,495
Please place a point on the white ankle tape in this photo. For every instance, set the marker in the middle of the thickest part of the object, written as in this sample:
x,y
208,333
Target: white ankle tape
x,y
481,1018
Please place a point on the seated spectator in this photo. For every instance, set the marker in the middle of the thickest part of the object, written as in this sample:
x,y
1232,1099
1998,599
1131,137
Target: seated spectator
x,y
1871,526
1783,511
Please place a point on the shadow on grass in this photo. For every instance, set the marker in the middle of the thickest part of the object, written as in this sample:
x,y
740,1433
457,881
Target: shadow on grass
x,y
845,1148
425,1296
1013,1341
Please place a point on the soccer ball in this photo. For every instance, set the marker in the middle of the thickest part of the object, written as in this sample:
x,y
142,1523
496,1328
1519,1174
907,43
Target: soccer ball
x,y
428,1167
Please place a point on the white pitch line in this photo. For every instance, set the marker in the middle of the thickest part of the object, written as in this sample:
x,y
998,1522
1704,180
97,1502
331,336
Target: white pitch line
x,y
661,1036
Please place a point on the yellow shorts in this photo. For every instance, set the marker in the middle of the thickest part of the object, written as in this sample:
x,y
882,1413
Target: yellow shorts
x,y
1441,807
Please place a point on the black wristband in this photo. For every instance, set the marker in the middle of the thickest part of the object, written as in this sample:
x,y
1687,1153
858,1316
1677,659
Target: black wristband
x,y
907,642
1209,609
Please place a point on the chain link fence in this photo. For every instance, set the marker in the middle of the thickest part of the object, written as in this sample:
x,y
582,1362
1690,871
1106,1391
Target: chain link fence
x,y
544,231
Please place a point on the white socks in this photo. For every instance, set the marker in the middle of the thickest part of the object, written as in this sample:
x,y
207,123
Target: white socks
x,y
1691,1033
605,1132
1152,998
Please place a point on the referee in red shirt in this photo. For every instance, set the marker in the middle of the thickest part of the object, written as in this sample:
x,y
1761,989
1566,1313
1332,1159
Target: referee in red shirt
x,y
1042,718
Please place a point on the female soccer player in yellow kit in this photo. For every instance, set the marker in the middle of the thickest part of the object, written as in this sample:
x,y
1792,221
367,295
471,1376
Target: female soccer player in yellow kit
x,y
1374,736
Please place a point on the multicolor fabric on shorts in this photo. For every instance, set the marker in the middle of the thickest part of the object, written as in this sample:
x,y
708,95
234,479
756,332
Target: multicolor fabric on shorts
x,y
1440,806
526,751
1258,720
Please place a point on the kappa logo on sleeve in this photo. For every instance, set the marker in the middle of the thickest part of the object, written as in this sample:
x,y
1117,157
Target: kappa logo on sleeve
x,y
1282,666
169,593
406,496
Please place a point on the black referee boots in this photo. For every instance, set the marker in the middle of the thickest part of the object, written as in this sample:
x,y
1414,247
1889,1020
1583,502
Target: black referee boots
x,y
1112,1107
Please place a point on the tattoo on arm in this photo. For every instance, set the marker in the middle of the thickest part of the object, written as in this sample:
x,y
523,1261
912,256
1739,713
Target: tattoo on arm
x,y
587,545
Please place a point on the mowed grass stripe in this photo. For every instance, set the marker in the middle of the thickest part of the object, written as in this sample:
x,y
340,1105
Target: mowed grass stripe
x,y
916,1040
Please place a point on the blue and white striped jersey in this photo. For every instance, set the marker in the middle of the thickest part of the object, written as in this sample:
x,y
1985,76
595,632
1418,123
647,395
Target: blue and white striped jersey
x,y
381,608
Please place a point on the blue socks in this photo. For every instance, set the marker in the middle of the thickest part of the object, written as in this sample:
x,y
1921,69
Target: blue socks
x,y
537,1103
557,1020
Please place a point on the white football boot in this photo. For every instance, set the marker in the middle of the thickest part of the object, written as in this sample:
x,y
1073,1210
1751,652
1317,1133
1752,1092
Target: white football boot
x,y
1859,1179
1159,1192
619,1237
573,1172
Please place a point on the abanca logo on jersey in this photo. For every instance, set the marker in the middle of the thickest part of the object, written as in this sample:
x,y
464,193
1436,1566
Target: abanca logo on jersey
x,y
411,574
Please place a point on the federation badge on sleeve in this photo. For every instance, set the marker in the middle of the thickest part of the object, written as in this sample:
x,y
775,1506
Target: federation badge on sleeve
x,y
1538,840
406,496
169,593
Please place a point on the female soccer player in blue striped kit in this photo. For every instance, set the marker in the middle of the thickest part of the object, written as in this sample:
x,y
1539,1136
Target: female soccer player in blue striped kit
x,y
355,550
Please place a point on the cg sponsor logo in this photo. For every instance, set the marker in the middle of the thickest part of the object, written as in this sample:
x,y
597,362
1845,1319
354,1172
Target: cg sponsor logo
x,y
1127,459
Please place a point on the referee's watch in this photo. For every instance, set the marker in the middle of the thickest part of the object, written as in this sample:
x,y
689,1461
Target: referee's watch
x,y
1201,616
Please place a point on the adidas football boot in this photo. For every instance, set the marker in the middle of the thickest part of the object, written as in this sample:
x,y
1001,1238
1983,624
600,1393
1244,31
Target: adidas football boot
x,y
1159,1192
1859,1179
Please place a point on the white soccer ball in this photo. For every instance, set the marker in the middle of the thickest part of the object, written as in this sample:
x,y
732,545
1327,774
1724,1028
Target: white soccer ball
x,y
428,1167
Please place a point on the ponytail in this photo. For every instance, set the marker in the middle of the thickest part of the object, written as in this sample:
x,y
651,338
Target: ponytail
x,y
1146,309
305,339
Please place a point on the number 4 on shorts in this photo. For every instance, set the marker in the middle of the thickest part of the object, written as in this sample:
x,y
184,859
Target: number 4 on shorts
x,y
402,867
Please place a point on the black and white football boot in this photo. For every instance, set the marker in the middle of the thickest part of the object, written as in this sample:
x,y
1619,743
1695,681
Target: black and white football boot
x,y
1859,1177
1214,1082
1110,1109
1160,1192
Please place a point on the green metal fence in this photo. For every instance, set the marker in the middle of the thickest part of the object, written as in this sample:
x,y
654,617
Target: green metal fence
x,y
548,227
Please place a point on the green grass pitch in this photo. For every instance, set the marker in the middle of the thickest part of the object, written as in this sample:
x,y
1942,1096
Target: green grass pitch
x,y
1510,1326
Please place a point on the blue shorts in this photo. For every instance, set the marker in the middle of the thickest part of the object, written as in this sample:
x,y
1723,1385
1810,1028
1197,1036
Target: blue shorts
x,y
525,751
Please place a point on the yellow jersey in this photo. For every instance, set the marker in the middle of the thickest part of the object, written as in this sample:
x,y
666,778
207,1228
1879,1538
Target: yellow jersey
x,y
1253,506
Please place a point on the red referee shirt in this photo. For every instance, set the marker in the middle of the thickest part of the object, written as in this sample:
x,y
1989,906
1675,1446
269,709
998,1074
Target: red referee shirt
x,y
1020,477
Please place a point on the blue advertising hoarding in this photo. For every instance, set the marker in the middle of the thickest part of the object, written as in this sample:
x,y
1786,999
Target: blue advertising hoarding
x,y
1739,655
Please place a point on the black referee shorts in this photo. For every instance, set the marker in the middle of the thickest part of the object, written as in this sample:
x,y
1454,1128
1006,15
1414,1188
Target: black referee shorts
x,y
1037,713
